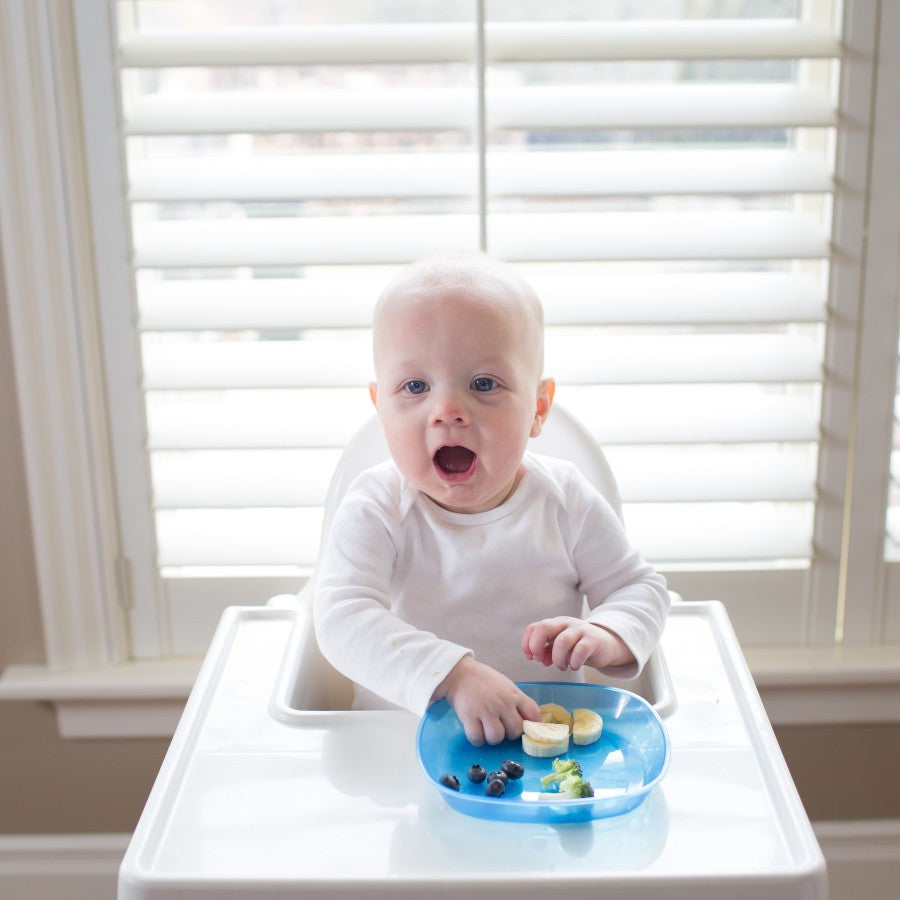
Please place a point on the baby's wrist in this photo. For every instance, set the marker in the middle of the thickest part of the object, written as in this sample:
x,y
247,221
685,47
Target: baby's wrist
x,y
619,653
460,670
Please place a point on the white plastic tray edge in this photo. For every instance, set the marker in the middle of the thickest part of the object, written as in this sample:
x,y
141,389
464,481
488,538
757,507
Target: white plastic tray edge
x,y
133,871
302,641
771,760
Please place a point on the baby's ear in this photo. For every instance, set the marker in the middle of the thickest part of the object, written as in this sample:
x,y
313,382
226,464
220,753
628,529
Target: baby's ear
x,y
373,393
546,391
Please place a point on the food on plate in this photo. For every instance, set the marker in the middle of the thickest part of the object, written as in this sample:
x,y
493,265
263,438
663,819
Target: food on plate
x,y
565,781
450,781
543,739
495,788
556,714
498,773
572,788
477,774
512,768
586,726
559,769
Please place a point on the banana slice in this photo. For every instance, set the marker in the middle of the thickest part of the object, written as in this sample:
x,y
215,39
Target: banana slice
x,y
544,748
553,712
586,726
545,738
550,732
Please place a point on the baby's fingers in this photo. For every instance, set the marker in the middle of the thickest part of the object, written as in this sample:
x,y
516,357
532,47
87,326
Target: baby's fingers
x,y
528,709
526,639
473,729
537,640
563,654
495,729
581,653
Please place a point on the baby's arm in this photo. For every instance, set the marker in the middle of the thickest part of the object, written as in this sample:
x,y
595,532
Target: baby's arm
x,y
570,643
357,630
488,704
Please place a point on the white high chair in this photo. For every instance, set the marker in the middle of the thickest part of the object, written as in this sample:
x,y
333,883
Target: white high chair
x,y
309,682
273,788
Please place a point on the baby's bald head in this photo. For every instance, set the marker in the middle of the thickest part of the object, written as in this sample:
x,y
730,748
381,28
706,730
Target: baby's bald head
x,y
476,278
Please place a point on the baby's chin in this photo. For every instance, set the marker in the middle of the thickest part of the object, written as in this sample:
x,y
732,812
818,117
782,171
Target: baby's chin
x,y
462,497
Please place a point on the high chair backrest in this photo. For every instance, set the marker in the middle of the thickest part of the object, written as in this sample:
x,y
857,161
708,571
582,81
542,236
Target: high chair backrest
x,y
562,436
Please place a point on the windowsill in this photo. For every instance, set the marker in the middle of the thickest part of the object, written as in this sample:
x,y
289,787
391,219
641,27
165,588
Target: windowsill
x,y
799,686
138,700
827,686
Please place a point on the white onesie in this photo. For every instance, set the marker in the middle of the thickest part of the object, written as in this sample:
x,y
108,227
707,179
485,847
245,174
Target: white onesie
x,y
406,588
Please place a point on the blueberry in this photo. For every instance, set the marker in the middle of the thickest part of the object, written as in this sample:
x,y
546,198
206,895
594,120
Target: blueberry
x,y
450,781
477,774
496,787
498,774
513,769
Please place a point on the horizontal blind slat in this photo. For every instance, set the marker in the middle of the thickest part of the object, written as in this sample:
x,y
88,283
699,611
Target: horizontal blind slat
x,y
262,112
691,235
242,478
238,537
256,419
529,174
289,242
686,414
662,40
645,475
306,45
672,359
638,106
615,415
720,532
288,478
537,107
590,299
505,42
571,359
666,533
536,236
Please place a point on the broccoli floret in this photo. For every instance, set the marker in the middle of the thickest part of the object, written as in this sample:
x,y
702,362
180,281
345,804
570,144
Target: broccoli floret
x,y
575,787
562,768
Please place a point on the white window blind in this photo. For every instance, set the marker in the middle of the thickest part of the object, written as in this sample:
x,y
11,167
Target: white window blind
x,y
663,173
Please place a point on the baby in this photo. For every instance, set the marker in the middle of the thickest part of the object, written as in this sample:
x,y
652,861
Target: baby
x,y
463,563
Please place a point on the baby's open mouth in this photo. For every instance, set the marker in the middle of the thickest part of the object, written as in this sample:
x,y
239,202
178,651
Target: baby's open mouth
x,y
454,460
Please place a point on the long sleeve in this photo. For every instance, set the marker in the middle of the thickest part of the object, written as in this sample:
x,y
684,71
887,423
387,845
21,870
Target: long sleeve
x,y
356,628
624,593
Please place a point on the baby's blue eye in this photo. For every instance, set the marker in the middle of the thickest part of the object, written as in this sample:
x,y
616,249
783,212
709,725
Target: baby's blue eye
x,y
484,384
415,387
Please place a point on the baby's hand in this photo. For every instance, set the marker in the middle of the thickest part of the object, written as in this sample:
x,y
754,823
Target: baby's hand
x,y
570,643
488,704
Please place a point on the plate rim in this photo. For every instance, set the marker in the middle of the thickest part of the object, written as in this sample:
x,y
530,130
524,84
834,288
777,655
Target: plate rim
x,y
459,800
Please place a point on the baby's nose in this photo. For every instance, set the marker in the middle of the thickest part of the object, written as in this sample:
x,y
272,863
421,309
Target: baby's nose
x,y
449,410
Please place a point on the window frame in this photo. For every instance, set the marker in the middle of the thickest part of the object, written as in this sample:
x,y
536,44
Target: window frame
x,y
50,155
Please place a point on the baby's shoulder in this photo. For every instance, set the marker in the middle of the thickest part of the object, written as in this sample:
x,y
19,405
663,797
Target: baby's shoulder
x,y
553,473
565,482
380,487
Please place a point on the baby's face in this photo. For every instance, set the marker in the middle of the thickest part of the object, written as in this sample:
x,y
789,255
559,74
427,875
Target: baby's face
x,y
459,393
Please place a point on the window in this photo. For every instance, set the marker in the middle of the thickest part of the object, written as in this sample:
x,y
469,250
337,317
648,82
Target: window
x,y
680,182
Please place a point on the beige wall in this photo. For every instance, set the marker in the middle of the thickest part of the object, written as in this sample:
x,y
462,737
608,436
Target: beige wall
x,y
48,784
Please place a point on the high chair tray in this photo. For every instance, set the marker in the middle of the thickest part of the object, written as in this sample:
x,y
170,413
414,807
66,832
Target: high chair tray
x,y
335,804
